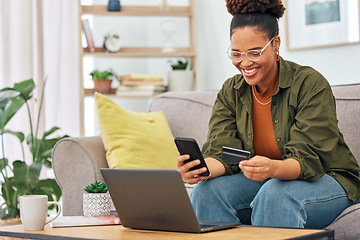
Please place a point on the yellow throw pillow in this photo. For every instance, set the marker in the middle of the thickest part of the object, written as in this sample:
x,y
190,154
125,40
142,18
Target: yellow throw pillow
x,y
133,139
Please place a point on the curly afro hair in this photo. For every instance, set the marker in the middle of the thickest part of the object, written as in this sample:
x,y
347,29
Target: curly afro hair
x,y
262,14
272,7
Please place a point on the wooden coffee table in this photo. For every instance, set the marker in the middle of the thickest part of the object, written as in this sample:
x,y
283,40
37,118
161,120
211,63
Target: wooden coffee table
x,y
119,232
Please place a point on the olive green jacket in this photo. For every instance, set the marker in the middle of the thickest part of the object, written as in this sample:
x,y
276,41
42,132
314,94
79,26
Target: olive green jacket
x,y
305,124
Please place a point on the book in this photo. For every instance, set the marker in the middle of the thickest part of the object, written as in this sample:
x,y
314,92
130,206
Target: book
x,y
141,77
77,221
139,83
141,90
88,35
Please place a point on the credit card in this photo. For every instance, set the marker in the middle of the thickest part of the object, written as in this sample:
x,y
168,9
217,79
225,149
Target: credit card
x,y
233,155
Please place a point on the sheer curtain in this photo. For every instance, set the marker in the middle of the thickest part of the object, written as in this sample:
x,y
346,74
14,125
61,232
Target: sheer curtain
x,y
39,39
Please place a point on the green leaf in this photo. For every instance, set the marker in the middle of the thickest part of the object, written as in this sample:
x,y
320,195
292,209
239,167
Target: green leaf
x,y
12,99
26,177
34,172
9,110
47,163
19,135
96,187
107,74
9,195
180,65
20,170
3,212
3,163
52,130
25,88
6,95
51,188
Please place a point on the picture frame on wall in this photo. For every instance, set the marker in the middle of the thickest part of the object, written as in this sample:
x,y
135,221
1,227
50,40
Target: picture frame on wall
x,y
321,23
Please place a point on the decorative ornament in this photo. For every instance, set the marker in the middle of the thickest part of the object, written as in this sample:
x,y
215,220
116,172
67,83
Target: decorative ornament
x,y
112,42
114,5
168,28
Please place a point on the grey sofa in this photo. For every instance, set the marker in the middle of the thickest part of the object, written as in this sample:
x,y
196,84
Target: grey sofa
x,y
77,161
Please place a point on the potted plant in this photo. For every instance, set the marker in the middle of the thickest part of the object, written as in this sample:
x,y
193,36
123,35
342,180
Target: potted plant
x,y
181,78
18,177
102,80
96,200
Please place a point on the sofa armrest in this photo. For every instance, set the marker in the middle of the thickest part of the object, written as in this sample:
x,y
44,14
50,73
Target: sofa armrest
x,y
76,163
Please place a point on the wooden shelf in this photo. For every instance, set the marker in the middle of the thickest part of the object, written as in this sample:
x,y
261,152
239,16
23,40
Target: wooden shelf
x,y
141,52
128,13
90,93
138,11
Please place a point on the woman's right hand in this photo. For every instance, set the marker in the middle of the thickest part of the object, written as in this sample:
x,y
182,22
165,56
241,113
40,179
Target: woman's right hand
x,y
193,176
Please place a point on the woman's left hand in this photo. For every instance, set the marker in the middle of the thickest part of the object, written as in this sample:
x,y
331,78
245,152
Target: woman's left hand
x,y
257,168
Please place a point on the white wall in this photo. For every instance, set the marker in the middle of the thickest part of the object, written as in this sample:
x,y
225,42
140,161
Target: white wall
x,y
339,65
213,24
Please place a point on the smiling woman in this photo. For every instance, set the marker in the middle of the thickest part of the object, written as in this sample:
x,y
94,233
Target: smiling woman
x,y
284,115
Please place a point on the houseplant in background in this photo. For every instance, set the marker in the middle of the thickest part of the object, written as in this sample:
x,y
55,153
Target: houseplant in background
x,y
17,177
96,200
181,78
103,79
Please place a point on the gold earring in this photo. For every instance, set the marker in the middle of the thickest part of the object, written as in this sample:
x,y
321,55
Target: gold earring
x,y
277,55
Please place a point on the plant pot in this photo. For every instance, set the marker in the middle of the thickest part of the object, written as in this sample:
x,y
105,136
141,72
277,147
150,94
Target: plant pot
x,y
96,204
181,80
102,85
10,221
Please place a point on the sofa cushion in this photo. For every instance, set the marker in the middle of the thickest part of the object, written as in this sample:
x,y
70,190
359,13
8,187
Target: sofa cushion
x,y
135,140
348,112
346,224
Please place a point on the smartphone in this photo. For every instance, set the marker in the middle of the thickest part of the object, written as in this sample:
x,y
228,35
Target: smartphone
x,y
190,147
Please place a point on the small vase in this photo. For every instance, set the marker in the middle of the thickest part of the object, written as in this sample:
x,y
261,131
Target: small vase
x,y
96,204
181,80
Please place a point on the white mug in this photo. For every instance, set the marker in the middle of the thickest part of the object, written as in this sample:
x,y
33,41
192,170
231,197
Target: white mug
x,y
33,211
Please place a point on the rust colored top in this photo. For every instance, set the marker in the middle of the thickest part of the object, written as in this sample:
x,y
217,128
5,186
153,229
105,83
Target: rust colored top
x,y
264,140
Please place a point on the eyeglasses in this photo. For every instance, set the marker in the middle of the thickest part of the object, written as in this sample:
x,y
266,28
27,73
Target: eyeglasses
x,y
252,55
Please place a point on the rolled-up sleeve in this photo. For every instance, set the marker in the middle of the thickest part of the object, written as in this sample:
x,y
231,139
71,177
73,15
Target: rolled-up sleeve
x,y
223,129
314,135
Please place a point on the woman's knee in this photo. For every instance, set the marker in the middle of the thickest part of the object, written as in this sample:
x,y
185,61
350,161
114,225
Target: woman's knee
x,y
300,203
199,192
273,192
274,205
210,188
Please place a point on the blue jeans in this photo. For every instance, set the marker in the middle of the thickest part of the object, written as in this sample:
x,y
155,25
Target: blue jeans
x,y
273,202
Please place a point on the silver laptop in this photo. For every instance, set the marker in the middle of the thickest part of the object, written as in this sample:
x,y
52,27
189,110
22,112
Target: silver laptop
x,y
154,199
